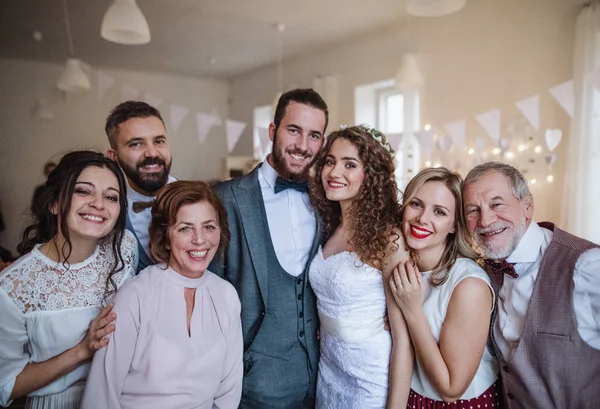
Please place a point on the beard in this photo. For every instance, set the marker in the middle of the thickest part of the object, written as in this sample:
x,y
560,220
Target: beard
x,y
149,182
494,252
284,170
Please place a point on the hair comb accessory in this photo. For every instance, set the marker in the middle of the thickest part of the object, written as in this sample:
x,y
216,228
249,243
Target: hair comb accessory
x,y
379,137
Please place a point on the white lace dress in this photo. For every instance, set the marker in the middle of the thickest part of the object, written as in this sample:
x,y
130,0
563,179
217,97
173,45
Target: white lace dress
x,y
355,347
46,309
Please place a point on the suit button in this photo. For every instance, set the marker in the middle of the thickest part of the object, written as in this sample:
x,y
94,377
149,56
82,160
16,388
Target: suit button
x,y
301,315
301,334
300,296
299,281
510,396
505,368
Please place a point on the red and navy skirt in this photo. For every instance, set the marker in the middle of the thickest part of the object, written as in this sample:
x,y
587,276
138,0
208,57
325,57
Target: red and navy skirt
x,y
491,398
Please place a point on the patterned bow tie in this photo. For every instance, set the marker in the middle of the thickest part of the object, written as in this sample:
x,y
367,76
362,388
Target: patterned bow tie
x,y
282,184
502,267
139,207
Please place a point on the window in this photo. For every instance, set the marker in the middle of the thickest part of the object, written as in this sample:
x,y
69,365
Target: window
x,y
393,112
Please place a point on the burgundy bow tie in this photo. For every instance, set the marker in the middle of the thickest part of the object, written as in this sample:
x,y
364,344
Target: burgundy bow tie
x,y
502,267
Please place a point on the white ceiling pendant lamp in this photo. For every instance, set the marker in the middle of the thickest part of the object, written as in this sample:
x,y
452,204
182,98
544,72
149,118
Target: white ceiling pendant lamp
x,y
124,23
40,110
73,77
280,27
434,8
409,77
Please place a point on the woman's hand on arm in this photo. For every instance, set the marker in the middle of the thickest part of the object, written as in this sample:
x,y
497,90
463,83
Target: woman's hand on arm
x,y
451,364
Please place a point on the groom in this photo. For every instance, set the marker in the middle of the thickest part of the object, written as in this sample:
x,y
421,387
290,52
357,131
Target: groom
x,y
274,235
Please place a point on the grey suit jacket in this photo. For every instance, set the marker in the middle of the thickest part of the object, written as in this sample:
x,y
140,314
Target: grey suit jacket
x,y
245,263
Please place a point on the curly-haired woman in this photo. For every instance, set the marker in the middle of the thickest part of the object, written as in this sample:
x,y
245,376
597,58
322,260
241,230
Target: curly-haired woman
x,y
355,194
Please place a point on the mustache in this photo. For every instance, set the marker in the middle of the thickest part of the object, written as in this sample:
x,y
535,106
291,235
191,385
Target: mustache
x,y
151,161
296,151
489,229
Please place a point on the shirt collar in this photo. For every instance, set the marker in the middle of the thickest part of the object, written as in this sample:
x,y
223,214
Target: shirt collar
x,y
269,174
529,247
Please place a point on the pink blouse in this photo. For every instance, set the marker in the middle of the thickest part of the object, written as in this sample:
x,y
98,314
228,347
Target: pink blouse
x,y
152,362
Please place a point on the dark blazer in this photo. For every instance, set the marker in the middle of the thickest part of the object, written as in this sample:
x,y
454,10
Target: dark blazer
x,y
244,264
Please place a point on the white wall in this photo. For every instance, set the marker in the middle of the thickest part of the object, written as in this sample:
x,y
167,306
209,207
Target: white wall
x,y
25,144
490,55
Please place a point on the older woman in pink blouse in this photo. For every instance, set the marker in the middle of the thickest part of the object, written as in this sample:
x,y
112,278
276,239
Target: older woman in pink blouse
x,y
178,336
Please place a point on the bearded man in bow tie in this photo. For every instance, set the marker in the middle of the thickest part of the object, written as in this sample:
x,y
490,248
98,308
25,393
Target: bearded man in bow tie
x,y
546,324
138,142
274,235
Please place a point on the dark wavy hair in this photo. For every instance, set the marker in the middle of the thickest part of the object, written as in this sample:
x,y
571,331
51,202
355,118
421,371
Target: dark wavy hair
x,y
58,193
164,214
374,213
124,112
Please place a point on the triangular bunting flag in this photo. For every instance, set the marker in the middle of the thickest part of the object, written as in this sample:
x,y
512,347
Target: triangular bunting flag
x,y
129,93
565,95
152,100
105,81
395,139
458,132
490,121
263,135
178,112
203,124
234,132
445,144
530,108
425,139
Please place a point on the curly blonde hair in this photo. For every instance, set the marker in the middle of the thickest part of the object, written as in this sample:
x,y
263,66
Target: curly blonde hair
x,y
374,214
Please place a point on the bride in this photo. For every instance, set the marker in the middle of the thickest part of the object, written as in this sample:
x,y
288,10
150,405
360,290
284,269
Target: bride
x,y
354,192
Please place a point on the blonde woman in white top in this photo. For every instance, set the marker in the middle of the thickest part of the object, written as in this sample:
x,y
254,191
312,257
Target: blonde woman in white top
x,y
445,297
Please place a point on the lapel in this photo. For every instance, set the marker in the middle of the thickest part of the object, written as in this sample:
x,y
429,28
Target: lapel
x,y
253,219
144,259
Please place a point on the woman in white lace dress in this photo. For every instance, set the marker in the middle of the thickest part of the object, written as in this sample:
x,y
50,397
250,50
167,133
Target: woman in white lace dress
x,y
354,191
78,253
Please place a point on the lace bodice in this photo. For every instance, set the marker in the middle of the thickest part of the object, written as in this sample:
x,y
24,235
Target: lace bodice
x,y
36,283
46,308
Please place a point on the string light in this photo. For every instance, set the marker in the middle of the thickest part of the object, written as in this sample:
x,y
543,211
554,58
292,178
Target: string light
x,y
550,178
471,151
538,149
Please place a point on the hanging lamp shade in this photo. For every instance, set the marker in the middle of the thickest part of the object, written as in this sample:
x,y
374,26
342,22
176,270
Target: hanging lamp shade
x,y
40,111
434,8
124,23
409,76
73,78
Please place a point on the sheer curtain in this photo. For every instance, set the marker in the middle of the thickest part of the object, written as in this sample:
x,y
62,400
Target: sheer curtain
x,y
581,199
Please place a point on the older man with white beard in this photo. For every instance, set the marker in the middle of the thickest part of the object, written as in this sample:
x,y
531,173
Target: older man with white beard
x,y
546,325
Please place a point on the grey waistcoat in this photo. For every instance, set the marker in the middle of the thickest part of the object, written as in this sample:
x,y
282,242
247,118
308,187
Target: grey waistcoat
x,y
552,366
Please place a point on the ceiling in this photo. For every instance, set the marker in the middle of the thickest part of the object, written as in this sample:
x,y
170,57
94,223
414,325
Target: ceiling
x,y
186,34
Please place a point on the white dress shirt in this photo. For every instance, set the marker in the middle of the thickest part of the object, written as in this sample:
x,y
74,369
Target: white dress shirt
x,y
292,222
141,221
515,293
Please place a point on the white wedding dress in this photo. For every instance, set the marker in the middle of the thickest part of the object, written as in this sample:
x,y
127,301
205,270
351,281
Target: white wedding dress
x,y
355,347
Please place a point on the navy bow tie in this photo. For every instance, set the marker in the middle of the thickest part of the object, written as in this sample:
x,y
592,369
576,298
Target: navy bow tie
x,y
282,184
502,267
